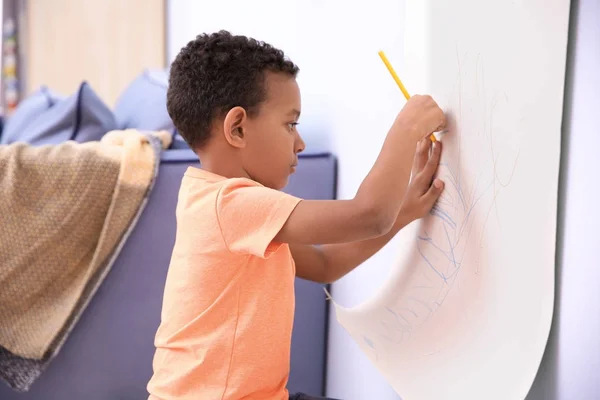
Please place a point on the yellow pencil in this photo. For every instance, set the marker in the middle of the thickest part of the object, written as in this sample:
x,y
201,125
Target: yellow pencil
x,y
398,81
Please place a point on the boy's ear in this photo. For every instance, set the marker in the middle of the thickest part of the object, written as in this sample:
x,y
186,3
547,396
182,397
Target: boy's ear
x,y
234,126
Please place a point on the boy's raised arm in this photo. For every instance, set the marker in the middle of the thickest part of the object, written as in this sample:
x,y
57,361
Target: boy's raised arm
x,y
374,209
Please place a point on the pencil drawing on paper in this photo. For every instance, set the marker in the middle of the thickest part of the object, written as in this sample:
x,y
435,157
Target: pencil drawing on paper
x,y
470,289
453,234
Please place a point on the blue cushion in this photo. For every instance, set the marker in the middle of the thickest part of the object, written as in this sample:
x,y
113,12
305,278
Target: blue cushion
x,y
82,117
143,105
27,111
178,141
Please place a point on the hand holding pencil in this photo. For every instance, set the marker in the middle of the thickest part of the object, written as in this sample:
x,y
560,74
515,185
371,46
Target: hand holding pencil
x,y
399,82
419,117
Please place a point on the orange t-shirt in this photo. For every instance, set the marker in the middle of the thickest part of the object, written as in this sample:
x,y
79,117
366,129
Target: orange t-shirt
x,y
228,306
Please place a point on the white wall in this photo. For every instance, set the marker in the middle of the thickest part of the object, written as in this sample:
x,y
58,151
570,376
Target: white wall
x,y
572,360
349,101
579,324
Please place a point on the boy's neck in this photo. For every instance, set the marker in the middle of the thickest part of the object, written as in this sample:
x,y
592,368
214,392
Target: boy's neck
x,y
221,162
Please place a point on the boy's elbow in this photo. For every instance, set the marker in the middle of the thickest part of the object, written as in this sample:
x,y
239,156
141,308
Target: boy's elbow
x,y
384,225
378,221
329,276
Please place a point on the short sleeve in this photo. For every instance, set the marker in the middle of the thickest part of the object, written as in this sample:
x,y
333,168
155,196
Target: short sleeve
x,y
250,215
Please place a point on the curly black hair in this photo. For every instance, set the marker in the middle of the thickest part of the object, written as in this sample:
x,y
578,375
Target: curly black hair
x,y
216,72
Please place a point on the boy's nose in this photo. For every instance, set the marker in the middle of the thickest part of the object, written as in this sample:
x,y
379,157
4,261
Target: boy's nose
x,y
300,145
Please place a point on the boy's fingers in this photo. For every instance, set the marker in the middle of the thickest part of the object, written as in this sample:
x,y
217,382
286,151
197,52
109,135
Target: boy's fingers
x,y
423,147
432,163
434,192
443,122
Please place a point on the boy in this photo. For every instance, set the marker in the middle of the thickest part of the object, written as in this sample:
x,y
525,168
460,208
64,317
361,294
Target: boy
x,y
228,305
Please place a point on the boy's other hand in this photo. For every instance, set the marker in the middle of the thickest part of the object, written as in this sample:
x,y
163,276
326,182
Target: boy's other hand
x,y
421,116
423,191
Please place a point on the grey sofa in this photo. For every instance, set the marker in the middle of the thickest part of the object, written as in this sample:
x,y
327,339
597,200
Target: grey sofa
x,y
109,354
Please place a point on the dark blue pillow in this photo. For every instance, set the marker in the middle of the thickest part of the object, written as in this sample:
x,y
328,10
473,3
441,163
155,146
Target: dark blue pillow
x,y
82,117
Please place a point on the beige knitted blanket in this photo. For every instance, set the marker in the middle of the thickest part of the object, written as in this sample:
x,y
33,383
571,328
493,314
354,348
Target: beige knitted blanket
x,y
65,211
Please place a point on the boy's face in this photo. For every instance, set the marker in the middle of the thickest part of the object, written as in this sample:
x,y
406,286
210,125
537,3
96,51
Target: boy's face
x,y
272,145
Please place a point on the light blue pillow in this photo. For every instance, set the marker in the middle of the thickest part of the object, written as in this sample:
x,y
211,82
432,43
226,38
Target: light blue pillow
x,y
27,111
82,117
143,104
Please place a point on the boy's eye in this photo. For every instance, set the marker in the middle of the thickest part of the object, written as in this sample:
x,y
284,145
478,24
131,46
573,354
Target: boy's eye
x,y
293,125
